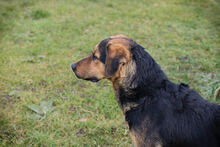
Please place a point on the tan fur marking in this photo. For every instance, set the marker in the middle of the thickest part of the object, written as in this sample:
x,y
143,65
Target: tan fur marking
x,y
96,51
119,36
120,41
119,47
116,48
137,139
133,138
89,68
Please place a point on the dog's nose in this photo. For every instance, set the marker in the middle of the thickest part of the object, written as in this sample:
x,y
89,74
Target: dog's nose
x,y
73,67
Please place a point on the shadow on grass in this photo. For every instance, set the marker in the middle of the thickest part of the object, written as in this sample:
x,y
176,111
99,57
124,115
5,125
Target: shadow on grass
x,y
9,12
7,133
211,10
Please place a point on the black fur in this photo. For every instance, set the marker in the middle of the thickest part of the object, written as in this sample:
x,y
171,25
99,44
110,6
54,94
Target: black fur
x,y
112,66
102,49
166,112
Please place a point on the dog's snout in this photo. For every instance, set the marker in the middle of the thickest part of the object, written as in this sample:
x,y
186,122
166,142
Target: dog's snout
x,y
73,67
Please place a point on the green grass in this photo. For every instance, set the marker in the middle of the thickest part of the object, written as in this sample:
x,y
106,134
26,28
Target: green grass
x,y
39,39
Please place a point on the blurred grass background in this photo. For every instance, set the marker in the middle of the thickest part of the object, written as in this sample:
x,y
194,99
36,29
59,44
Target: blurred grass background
x,y
39,39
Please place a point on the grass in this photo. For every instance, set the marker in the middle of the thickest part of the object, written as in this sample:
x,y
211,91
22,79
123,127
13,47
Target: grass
x,y
40,39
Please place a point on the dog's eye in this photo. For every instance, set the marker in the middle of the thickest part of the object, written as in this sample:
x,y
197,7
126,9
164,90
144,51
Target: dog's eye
x,y
94,57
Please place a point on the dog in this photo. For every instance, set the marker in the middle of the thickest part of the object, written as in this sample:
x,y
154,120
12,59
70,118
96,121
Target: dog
x,y
158,113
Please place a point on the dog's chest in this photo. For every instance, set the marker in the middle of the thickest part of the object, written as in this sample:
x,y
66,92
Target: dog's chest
x,y
142,133
140,140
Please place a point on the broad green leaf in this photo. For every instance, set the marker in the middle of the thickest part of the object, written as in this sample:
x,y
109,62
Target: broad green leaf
x,y
36,109
46,106
35,116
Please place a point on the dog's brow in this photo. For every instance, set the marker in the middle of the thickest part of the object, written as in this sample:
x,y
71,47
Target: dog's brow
x,y
96,51
95,48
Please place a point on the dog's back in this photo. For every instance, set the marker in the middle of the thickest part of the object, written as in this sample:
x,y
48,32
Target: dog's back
x,y
176,117
193,122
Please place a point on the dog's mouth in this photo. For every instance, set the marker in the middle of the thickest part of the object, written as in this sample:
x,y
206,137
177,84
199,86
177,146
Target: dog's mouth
x,y
92,79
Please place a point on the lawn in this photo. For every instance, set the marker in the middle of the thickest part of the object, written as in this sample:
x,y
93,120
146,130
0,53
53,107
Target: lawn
x,y
42,103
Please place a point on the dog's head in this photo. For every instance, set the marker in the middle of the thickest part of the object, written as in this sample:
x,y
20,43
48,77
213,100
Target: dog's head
x,y
108,60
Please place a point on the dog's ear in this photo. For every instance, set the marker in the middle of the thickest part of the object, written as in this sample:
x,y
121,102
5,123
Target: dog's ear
x,y
116,54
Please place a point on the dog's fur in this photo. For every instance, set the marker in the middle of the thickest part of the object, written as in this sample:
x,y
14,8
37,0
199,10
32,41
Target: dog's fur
x,y
157,111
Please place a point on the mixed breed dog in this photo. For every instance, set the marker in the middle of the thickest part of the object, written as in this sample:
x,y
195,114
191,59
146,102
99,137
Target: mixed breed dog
x,y
158,112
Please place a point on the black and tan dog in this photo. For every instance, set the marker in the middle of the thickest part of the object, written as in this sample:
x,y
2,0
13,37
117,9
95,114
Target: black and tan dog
x,y
157,111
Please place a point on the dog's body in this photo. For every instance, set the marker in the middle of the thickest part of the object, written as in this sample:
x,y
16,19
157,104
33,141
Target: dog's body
x,y
157,111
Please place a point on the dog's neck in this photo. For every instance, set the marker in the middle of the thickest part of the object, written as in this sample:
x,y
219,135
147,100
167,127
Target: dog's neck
x,y
139,79
126,99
